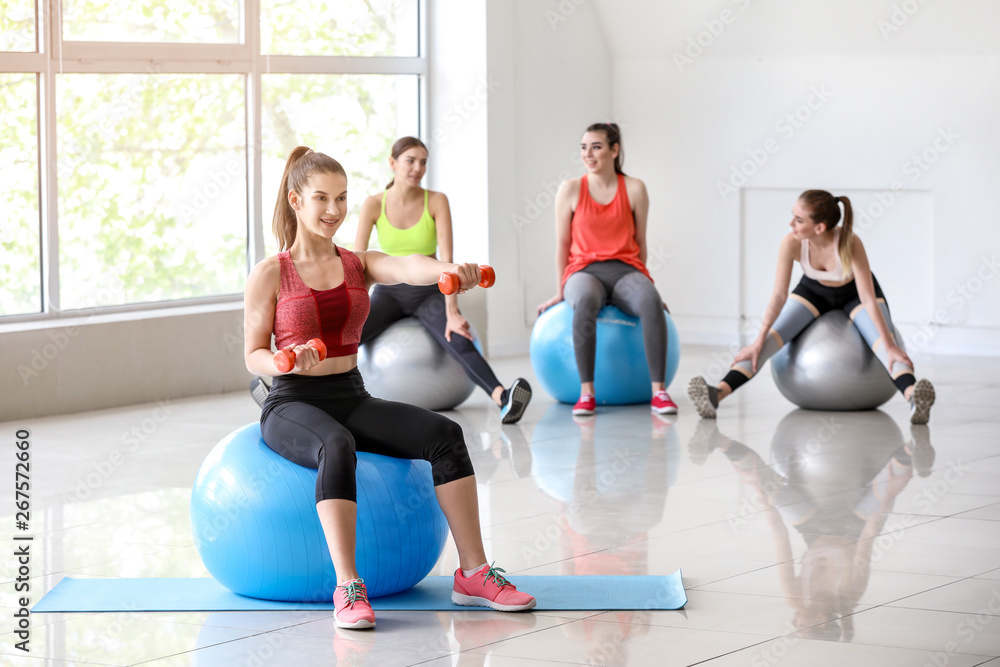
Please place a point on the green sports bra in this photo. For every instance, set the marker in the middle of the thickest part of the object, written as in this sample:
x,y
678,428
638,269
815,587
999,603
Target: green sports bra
x,y
420,239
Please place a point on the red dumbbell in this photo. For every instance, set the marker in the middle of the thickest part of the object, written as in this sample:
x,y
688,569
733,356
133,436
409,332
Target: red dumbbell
x,y
448,283
284,360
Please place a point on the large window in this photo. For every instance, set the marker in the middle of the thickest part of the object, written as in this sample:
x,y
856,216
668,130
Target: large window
x,y
143,140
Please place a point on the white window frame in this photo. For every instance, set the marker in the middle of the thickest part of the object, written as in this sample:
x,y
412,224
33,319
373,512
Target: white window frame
x,y
54,57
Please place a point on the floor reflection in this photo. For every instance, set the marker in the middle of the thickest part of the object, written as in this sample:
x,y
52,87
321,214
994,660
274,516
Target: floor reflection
x,y
834,480
609,486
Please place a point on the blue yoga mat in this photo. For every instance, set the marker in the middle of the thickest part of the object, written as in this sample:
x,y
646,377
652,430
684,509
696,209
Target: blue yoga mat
x,y
587,593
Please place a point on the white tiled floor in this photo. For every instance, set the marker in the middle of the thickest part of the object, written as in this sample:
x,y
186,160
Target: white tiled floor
x,y
802,541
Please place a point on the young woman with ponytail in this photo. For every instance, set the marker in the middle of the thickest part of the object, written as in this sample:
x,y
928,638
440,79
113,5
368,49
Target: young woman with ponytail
x,y
421,223
318,414
601,258
836,276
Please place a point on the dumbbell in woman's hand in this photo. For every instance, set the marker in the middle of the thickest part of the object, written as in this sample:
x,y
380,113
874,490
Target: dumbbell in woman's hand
x,y
284,360
449,282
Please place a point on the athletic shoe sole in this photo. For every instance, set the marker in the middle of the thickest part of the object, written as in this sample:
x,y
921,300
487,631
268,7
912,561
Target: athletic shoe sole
x,y
357,625
520,396
667,410
473,601
698,393
923,398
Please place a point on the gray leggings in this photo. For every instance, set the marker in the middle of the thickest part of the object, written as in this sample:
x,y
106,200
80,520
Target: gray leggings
x,y
809,300
624,286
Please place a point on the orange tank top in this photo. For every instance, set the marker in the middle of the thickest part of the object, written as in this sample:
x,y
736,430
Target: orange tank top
x,y
602,232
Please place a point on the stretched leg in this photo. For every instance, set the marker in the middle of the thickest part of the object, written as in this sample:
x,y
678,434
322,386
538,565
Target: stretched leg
x,y
586,295
901,374
795,316
431,313
385,310
920,393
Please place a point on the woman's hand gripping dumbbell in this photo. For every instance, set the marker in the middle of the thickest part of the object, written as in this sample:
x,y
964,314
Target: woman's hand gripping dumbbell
x,y
449,282
284,360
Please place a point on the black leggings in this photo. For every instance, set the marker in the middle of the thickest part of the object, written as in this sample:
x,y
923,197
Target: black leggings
x,y
321,421
426,302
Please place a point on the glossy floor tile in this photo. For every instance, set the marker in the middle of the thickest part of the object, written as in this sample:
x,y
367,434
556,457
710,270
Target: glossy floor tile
x,y
804,538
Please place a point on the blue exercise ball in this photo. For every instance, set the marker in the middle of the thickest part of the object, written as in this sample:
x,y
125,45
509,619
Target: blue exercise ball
x,y
253,514
621,375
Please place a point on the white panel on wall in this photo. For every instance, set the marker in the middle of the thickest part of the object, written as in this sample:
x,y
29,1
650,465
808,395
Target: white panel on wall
x,y
896,229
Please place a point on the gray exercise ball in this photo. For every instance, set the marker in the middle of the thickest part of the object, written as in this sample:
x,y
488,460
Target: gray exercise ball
x,y
829,366
405,363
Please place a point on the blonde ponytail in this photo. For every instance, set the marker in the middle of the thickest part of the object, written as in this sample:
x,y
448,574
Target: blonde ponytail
x,y
846,235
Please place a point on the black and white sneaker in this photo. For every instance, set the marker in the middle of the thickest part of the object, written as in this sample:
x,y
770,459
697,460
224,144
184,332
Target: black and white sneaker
x,y
514,401
259,390
921,401
704,396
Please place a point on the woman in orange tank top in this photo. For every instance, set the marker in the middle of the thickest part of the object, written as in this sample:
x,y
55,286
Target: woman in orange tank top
x,y
600,259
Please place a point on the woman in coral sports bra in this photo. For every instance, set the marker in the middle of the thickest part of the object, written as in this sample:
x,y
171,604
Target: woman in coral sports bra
x,y
836,275
600,259
421,224
318,414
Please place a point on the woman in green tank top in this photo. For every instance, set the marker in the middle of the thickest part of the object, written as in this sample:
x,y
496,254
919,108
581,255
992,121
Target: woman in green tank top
x,y
411,220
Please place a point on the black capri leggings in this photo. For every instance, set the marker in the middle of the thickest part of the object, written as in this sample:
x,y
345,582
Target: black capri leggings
x,y
426,303
322,421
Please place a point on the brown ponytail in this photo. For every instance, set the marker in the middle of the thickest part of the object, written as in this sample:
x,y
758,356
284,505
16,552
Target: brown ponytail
x,y
613,135
401,146
823,207
302,163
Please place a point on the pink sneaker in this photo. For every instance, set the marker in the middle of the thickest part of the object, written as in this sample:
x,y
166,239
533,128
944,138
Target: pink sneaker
x,y
586,405
488,588
351,606
662,405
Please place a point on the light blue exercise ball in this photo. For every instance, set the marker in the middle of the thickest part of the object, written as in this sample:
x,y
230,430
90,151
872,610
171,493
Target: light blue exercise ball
x,y
253,514
621,375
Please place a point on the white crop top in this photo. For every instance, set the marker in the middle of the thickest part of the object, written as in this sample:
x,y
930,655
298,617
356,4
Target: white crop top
x,y
834,275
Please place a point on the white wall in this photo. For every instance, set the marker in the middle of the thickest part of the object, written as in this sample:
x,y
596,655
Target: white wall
x,y
511,95
556,68
895,102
